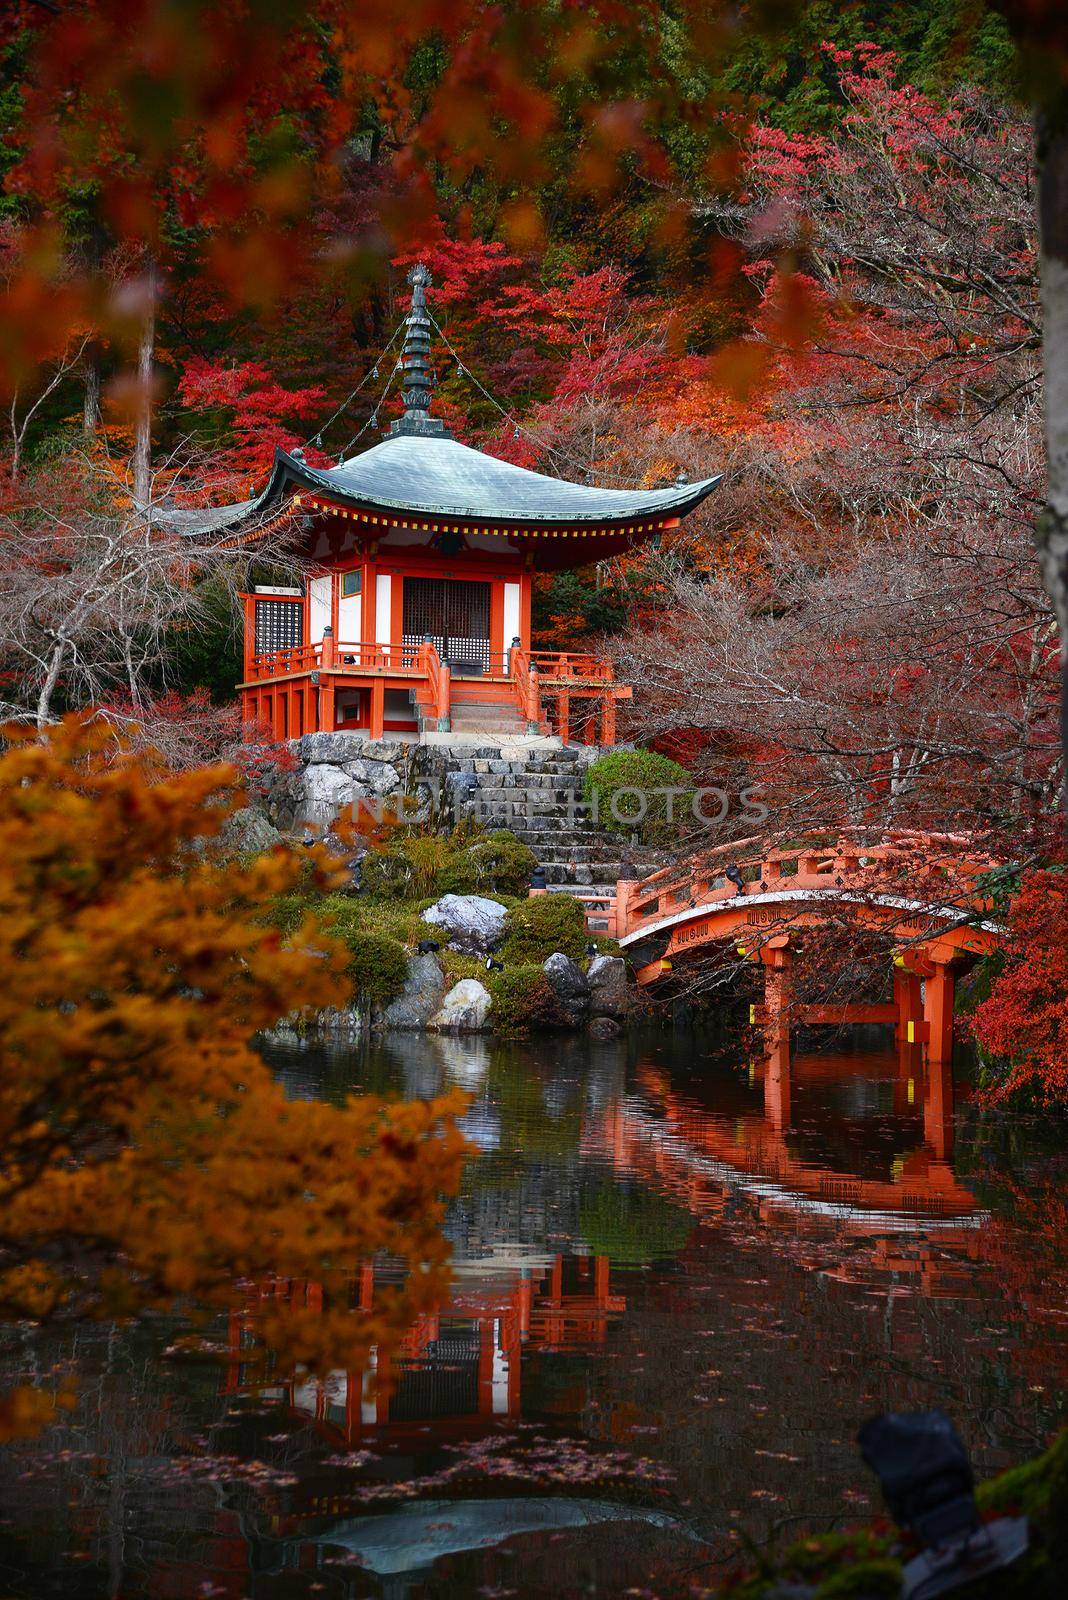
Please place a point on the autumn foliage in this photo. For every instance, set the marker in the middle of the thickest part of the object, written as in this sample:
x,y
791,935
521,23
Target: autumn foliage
x,y
150,1159
1025,1020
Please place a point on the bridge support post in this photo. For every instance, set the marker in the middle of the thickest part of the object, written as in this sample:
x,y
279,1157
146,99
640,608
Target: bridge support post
x,y
908,1000
777,960
938,1014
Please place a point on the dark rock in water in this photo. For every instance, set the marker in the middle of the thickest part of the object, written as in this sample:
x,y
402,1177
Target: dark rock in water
x,y
568,983
419,1000
567,979
610,994
604,1028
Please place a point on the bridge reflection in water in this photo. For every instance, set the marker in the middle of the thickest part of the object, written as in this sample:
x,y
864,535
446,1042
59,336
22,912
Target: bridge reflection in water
x,y
459,1369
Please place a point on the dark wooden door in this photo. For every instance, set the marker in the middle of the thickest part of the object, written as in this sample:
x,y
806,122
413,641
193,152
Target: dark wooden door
x,y
455,614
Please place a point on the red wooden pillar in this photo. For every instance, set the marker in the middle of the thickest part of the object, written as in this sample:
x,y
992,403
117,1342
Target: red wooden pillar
x,y
608,722
378,708
778,985
367,1286
249,640
563,702
908,1000
526,1302
938,1014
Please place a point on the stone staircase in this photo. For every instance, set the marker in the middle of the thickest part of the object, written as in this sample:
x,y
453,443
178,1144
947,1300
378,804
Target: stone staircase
x,y
537,793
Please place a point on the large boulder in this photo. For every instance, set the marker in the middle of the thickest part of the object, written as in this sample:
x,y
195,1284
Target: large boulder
x,y
419,1000
610,994
463,1010
331,749
327,790
374,777
568,982
472,923
248,832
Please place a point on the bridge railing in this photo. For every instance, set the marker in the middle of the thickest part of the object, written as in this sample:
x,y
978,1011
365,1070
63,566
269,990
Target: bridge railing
x,y
847,862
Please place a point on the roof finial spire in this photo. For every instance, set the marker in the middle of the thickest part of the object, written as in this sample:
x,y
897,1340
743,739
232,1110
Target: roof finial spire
x,y
415,361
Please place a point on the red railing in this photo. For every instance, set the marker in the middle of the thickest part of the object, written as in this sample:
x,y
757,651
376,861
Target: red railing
x,y
848,862
574,666
358,657
436,697
525,686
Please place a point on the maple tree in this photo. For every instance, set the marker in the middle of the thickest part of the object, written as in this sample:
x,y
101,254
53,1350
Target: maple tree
x,y
871,635
1024,1021
149,1157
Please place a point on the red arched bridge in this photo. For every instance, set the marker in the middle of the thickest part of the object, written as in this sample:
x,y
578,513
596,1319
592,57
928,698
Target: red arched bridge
x,y
927,894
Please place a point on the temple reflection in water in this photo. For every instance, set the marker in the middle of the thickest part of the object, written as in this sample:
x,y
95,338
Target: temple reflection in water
x,y
681,1278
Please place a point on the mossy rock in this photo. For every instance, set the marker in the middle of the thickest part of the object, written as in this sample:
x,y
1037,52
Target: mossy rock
x,y
524,1001
543,924
868,1580
502,863
850,1565
377,968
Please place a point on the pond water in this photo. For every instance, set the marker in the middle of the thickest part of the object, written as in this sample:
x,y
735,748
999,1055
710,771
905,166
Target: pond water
x,y
678,1290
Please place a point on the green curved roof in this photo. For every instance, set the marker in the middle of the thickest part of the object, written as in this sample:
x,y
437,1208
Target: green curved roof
x,y
438,476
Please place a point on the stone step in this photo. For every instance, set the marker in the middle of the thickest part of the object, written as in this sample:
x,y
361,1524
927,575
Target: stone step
x,y
581,874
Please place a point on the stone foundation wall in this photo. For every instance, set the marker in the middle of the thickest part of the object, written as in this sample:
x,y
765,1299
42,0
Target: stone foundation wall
x,y
310,781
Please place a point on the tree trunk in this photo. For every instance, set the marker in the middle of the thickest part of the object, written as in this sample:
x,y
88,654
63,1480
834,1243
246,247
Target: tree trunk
x,y
48,687
91,396
1051,533
142,461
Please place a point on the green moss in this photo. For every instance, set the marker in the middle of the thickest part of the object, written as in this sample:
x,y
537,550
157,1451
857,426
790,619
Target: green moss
x,y
868,1580
540,926
502,863
421,866
378,966
524,1001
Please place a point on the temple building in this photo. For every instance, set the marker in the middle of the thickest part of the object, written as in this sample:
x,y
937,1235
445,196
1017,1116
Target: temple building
x,y
415,615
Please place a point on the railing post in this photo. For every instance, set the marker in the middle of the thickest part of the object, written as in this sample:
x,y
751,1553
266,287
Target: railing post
x,y
533,700
608,721
328,655
444,706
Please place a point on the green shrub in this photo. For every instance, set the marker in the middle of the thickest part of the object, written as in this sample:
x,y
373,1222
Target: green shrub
x,y
501,862
378,962
608,779
378,966
424,866
411,868
540,926
524,1001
